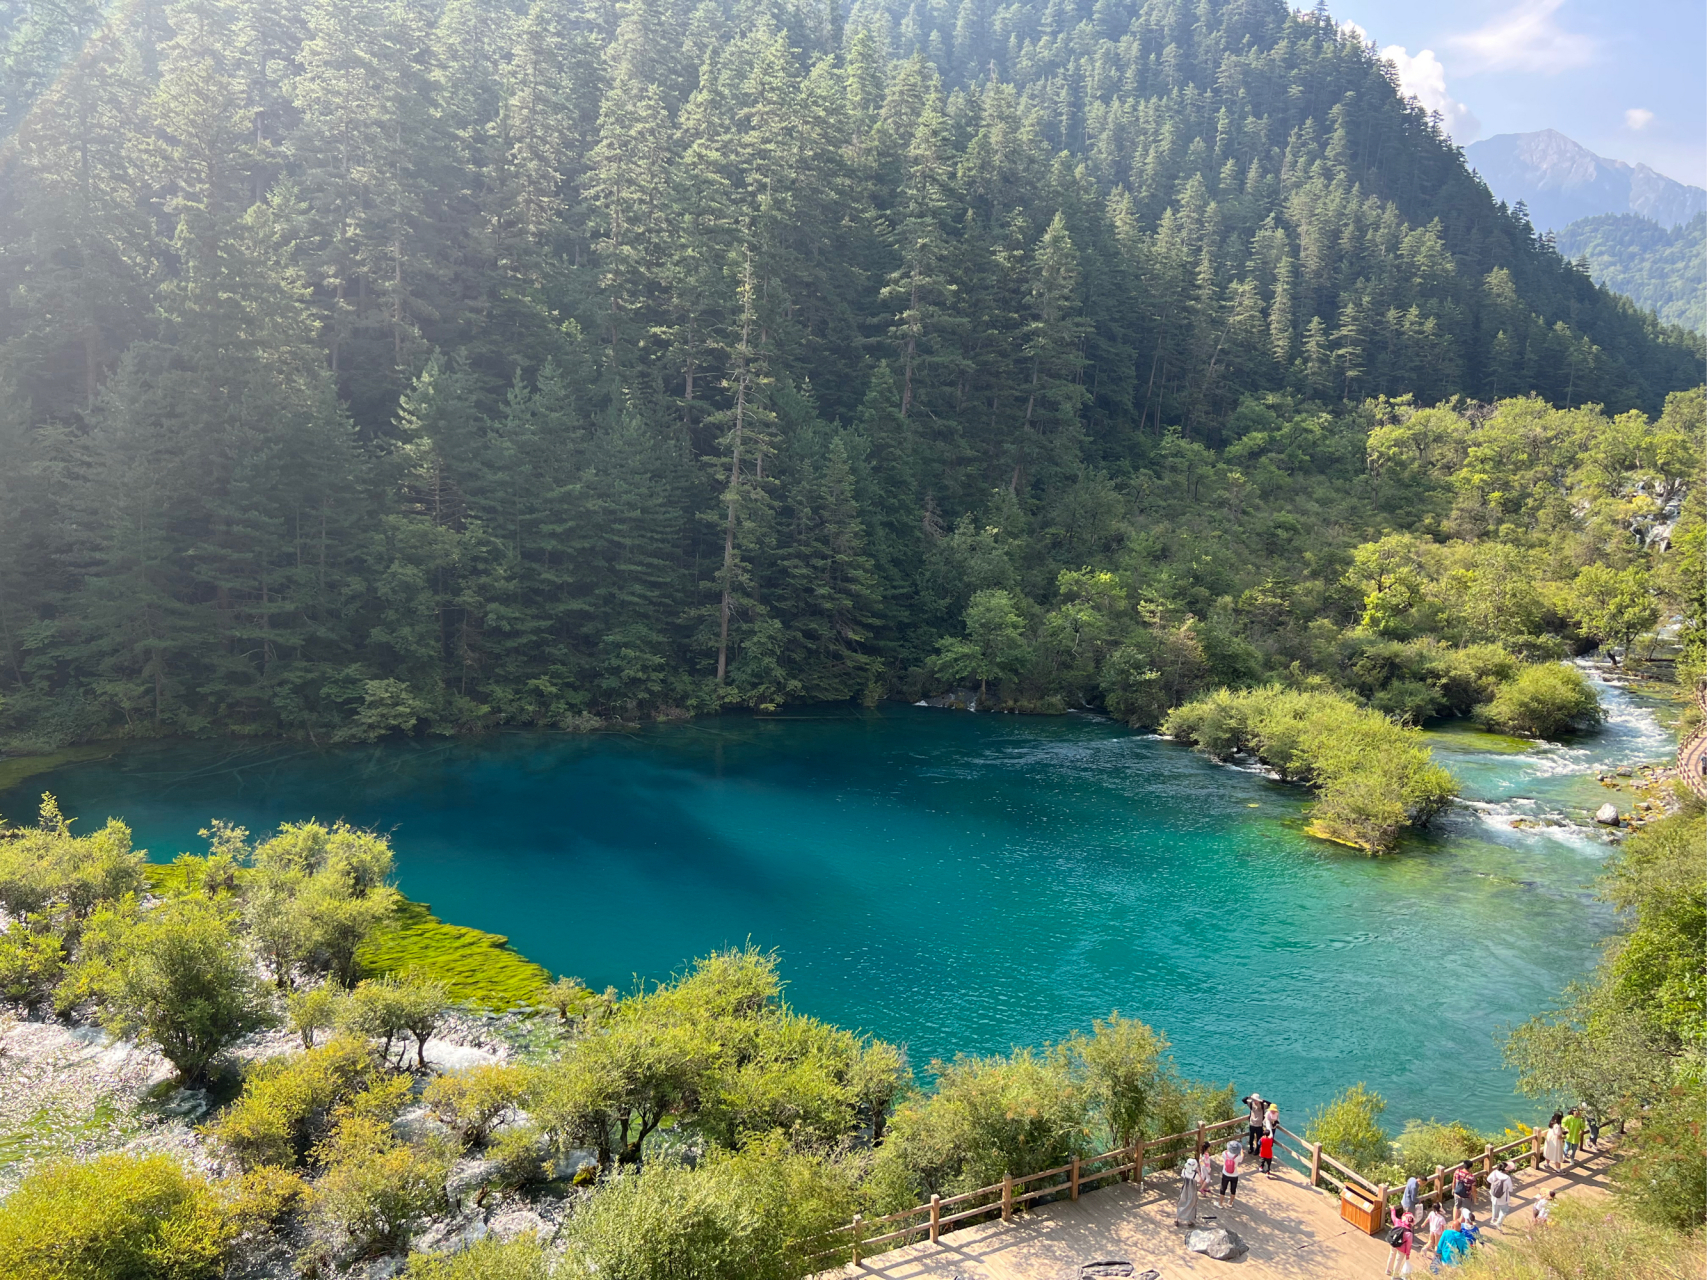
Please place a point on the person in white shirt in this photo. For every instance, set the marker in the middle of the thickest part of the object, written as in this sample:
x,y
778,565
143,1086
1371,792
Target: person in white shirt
x,y
1499,1193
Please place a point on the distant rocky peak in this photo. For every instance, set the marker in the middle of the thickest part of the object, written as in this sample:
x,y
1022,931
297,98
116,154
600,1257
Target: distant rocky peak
x,y
1560,180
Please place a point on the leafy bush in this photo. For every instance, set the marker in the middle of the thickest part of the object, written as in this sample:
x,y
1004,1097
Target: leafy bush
x,y
1373,778
182,978
315,1010
1349,1129
1422,1145
755,1215
472,1101
487,1259
116,1217
390,1007
986,1117
374,1189
287,1101
1543,701
32,957
47,866
520,1154
1663,1175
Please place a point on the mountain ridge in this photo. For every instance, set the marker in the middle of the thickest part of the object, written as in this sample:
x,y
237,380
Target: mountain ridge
x,y
1561,181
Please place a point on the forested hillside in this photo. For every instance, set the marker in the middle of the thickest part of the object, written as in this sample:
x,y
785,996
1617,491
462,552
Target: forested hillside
x,y
1658,268
400,366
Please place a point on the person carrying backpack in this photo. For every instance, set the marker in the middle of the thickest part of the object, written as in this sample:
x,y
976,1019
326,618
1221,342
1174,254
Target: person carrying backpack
x,y
1230,1174
1464,1187
1400,1236
1499,1192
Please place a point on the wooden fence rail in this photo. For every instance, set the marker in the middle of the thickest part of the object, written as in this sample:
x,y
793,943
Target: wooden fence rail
x,y
1081,1174
863,1236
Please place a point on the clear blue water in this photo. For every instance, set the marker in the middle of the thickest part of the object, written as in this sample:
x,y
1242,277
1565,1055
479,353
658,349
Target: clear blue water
x,y
967,883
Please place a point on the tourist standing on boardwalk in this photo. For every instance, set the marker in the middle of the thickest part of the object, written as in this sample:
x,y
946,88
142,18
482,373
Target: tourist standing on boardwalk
x,y
1271,1119
1399,1241
1434,1224
1186,1214
1408,1201
1259,1108
1205,1169
1266,1151
1553,1148
1230,1175
1574,1126
1463,1188
1499,1192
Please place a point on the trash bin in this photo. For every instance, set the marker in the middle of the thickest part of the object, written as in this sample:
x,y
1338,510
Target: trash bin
x,y
1358,1207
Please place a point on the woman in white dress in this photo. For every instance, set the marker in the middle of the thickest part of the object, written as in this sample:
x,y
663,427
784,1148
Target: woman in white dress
x,y
1553,1149
1187,1213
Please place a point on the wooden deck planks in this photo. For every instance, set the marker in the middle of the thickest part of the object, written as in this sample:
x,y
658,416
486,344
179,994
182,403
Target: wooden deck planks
x,y
1293,1234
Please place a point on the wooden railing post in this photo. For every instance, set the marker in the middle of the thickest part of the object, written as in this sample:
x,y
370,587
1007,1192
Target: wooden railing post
x,y
1074,1178
936,1216
858,1223
1535,1151
1138,1163
1201,1139
1315,1164
1440,1186
1488,1162
1381,1205
1007,1197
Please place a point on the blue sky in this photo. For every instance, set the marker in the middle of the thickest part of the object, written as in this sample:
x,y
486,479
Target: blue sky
x,y
1626,78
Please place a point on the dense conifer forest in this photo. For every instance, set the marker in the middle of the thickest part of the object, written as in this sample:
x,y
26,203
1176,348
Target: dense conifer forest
x,y
429,366
1660,268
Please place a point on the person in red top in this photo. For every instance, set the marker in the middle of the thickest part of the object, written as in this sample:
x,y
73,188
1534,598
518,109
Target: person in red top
x,y
1266,1150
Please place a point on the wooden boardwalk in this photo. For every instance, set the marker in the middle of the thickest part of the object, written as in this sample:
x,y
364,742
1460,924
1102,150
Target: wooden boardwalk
x,y
1692,752
1293,1233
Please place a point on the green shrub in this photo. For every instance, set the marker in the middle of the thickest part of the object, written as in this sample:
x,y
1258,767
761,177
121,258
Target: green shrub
x,y
1543,701
986,1117
1663,1176
32,957
287,1101
1373,778
488,1258
472,1101
374,1189
46,865
1349,1129
116,1217
1470,676
520,1154
315,1010
181,977
390,1007
1423,1145
756,1215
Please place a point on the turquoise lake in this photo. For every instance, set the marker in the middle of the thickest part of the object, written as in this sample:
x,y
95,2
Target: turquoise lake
x,y
967,883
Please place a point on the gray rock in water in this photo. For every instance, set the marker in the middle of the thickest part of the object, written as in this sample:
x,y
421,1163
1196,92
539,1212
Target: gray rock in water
x,y
1218,1243
1607,814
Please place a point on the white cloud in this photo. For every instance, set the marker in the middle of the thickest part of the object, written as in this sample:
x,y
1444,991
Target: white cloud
x,y
1357,32
1526,38
1424,79
1638,118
